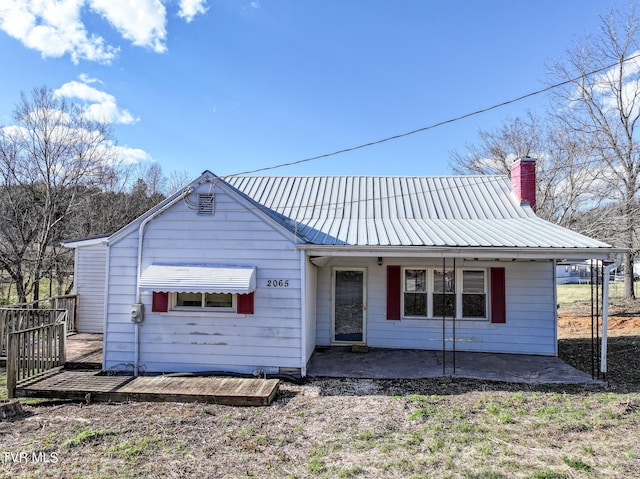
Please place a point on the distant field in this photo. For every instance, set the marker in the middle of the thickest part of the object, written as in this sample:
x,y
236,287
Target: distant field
x,y
571,293
8,291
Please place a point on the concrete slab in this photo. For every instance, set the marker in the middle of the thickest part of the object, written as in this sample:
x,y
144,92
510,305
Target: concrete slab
x,y
379,363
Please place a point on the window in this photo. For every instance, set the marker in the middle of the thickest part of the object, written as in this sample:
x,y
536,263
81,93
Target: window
x,y
444,293
415,292
474,295
436,293
217,301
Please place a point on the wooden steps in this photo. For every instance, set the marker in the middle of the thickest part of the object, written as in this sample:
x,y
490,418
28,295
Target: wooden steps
x,y
92,386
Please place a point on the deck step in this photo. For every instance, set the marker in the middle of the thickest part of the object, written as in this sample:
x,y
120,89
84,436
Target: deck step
x,y
88,385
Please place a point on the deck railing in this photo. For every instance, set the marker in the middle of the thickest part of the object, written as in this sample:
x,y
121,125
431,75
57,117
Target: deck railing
x,y
34,351
28,315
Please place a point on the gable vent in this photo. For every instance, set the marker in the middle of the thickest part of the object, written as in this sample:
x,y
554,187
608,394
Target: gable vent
x,y
205,203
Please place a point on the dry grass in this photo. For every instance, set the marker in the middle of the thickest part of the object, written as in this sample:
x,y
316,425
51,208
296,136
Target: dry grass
x,y
341,428
440,428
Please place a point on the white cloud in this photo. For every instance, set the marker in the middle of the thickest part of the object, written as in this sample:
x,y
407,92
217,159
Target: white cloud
x,y
143,22
99,105
129,156
606,85
84,78
54,29
190,8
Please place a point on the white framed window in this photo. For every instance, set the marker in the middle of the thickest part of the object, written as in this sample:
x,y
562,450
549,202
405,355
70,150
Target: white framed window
x,y
473,295
444,292
415,292
224,302
431,293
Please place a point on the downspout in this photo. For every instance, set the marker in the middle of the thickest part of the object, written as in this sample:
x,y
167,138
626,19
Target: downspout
x,y
187,192
605,311
303,311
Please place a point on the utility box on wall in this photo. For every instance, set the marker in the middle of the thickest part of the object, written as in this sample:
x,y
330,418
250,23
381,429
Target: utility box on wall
x,y
137,312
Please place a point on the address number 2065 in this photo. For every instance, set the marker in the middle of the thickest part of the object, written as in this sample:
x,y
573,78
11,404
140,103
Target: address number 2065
x,y
277,283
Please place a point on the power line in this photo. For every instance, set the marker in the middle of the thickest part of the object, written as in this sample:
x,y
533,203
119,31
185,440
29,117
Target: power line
x,y
436,125
346,202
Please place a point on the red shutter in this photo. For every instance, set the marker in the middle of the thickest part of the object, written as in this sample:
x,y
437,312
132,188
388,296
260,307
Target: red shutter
x,y
498,296
394,290
160,302
245,303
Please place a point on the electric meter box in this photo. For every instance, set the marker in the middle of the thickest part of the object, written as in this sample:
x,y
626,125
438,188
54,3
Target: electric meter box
x,y
137,312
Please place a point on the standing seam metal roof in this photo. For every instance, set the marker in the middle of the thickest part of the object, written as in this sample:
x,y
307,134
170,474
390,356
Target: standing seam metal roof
x,y
478,211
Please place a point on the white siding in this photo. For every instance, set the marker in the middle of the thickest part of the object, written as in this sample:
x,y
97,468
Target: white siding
x,y
178,341
89,281
530,308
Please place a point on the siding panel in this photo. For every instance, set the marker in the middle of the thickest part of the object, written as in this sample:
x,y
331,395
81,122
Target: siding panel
x,y
234,235
89,280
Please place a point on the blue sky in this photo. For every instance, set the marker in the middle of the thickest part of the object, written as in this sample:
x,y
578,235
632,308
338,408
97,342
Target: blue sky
x,y
235,85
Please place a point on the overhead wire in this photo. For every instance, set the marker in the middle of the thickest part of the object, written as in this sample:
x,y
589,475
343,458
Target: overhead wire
x,y
480,179
439,124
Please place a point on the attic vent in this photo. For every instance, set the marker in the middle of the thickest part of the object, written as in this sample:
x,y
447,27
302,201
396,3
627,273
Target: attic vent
x,y
205,203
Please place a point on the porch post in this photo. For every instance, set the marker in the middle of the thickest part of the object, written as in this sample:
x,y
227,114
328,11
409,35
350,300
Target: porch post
x,y
605,312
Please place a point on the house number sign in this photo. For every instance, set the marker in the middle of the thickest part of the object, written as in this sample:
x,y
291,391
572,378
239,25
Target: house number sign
x,y
277,283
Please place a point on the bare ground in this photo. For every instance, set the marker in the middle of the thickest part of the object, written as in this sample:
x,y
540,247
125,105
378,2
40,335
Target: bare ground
x,y
357,428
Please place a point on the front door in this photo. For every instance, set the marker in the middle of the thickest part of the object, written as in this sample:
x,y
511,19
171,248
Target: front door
x,y
349,306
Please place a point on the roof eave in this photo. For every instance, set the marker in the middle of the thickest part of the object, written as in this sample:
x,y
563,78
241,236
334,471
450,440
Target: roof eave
x,y
464,251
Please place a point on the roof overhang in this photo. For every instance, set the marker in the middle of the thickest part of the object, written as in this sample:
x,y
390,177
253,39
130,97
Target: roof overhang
x,y
198,279
486,253
90,241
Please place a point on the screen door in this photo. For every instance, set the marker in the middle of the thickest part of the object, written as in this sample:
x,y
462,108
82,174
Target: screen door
x,y
349,305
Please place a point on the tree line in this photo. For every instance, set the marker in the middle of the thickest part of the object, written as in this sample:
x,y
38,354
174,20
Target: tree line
x,y
61,178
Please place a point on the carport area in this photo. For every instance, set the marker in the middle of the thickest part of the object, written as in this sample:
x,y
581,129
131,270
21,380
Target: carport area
x,y
379,363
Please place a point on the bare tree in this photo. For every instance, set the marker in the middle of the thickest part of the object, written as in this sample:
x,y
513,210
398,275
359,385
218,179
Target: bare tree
x,y
154,179
562,186
497,149
177,180
604,108
50,159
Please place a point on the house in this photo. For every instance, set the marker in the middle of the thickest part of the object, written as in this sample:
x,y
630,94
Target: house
x,y
577,272
253,273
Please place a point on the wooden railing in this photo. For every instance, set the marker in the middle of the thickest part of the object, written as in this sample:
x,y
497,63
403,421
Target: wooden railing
x,y
29,315
68,302
34,351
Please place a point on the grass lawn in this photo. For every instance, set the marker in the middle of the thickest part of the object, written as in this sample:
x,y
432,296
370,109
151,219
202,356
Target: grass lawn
x,y
340,429
328,428
571,293
352,428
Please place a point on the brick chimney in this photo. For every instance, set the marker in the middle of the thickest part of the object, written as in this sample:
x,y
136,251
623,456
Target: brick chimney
x,y
523,180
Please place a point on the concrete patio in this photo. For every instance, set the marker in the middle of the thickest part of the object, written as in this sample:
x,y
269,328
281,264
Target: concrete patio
x,y
378,363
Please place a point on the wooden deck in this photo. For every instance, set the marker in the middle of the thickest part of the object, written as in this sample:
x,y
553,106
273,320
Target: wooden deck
x,y
84,351
93,386
81,379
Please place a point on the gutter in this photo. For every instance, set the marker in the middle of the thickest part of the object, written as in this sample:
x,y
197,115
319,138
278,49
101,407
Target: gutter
x,y
143,224
490,252
605,311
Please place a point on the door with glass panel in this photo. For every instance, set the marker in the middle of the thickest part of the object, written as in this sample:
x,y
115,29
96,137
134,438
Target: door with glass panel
x,y
349,306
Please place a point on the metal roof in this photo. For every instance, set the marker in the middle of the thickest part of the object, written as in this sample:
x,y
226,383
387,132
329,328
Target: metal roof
x,y
456,211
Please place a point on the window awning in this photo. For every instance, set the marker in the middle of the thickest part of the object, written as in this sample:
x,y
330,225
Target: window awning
x,y
198,279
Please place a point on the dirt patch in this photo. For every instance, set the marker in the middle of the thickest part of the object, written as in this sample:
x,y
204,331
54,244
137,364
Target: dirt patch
x,y
580,327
